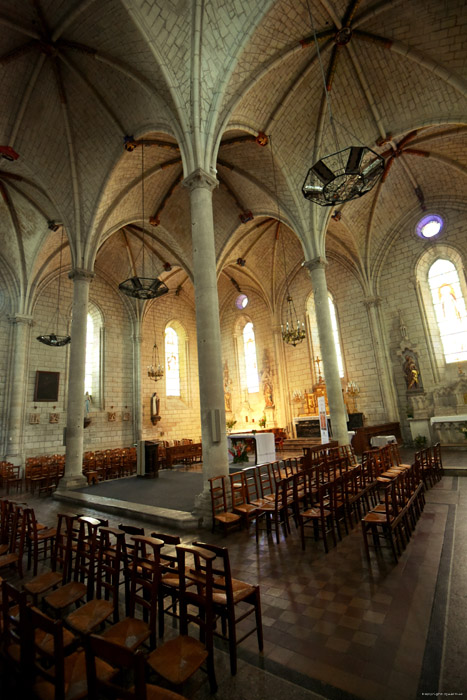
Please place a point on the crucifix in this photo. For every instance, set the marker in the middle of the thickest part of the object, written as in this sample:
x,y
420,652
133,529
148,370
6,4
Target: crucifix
x,y
318,362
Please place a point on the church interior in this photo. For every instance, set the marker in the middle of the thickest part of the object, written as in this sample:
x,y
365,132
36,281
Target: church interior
x,y
214,215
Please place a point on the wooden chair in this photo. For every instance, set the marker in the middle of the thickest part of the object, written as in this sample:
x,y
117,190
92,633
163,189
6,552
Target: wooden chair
x,y
13,479
13,621
389,520
319,517
233,601
120,658
131,632
168,578
66,679
240,504
84,568
220,512
179,658
14,555
127,564
37,540
110,555
276,512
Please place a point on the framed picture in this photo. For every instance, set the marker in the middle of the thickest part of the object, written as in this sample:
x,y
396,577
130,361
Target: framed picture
x,y
46,388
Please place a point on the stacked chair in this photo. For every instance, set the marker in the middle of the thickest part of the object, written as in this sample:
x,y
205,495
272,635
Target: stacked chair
x,y
63,634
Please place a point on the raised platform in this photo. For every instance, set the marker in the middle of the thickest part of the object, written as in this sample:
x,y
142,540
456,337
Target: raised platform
x,y
168,500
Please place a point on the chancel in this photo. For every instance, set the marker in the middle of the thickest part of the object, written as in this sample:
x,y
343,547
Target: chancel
x,y
213,217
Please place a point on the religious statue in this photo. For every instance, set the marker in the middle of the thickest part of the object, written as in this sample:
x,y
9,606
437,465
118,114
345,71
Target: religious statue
x,y
155,408
267,389
227,389
412,373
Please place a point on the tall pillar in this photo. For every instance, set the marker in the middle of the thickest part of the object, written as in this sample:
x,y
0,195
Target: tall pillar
x,y
211,384
137,379
17,384
73,477
316,270
388,396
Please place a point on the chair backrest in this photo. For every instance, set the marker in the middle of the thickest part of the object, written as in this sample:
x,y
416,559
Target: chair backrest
x,y
218,495
250,484
111,560
196,602
144,577
220,568
13,619
119,657
265,481
238,489
36,620
85,561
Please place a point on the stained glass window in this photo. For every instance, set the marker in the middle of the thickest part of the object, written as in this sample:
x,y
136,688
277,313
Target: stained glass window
x,y
172,363
89,366
450,309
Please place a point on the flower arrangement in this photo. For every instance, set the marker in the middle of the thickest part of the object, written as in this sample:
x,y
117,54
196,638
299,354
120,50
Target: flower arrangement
x,y
239,453
229,424
262,422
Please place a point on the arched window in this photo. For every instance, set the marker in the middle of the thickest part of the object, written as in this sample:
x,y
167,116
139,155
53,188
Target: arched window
x,y
449,305
335,332
251,365
172,362
90,363
93,369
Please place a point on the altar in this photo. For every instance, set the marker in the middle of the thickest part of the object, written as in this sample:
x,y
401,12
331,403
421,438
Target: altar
x,y
448,430
259,447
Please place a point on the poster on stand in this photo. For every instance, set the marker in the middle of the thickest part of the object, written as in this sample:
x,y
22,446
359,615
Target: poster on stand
x,y
323,423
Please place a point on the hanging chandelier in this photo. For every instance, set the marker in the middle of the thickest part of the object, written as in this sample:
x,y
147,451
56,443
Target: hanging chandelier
x,y
155,371
293,331
347,173
143,287
54,340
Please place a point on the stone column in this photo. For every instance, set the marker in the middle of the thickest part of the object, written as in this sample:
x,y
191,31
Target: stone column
x,y
316,270
137,382
73,477
211,386
388,397
17,384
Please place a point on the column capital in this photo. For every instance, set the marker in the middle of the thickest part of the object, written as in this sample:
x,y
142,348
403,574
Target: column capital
x,y
21,318
79,273
199,178
372,301
315,264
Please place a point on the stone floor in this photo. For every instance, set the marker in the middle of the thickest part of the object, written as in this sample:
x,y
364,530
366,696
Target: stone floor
x,y
339,627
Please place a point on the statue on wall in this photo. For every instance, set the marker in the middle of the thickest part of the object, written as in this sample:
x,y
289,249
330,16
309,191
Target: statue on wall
x,y
411,371
155,408
266,382
227,389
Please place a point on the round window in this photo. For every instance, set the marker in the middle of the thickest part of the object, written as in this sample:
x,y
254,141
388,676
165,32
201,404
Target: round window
x,y
429,226
241,301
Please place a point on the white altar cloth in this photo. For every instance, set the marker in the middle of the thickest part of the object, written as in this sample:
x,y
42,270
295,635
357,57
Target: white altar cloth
x,y
264,442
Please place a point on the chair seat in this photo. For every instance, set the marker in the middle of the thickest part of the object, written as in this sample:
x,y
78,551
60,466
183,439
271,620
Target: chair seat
x,y
66,595
44,534
45,641
75,678
129,632
42,583
240,589
155,692
90,616
375,518
178,658
246,508
8,559
227,517
314,513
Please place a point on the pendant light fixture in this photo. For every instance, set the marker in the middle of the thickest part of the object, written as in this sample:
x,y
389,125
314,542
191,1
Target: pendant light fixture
x,y
143,287
292,329
53,339
348,173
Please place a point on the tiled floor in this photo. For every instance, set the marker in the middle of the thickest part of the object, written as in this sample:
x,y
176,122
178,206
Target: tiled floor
x,y
341,627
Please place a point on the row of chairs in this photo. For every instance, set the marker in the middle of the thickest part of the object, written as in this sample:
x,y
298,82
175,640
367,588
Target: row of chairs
x,y
10,477
110,464
430,463
160,576
401,501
